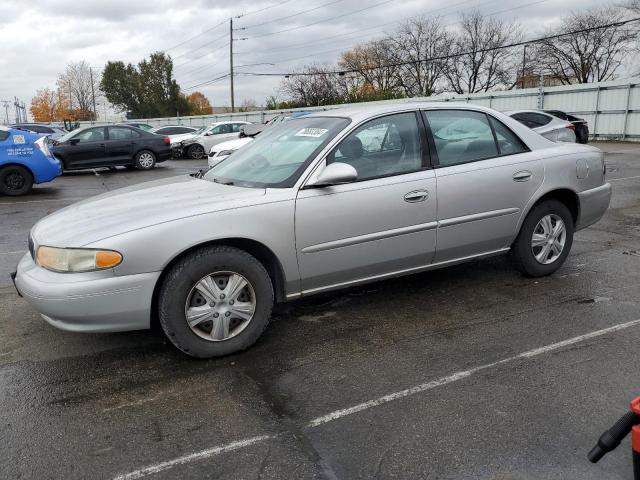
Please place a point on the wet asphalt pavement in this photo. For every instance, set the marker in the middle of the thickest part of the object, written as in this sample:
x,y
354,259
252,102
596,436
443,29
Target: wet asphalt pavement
x,y
415,357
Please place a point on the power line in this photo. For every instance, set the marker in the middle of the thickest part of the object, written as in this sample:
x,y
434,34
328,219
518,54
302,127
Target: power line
x,y
314,54
290,16
200,68
322,21
201,46
374,27
201,56
208,82
196,36
262,9
445,57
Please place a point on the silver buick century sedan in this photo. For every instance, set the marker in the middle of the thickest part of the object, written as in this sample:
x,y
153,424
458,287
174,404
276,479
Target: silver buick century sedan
x,y
323,202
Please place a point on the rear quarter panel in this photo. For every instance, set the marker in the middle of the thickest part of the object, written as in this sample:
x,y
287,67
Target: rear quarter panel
x,y
571,167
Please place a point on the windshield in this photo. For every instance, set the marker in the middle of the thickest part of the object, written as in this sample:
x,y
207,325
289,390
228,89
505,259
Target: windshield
x,y
278,155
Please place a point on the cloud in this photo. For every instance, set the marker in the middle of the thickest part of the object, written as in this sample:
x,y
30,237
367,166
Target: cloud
x,y
40,37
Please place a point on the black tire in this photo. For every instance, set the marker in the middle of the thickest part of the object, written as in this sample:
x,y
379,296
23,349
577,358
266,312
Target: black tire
x,y
195,152
522,252
179,283
15,180
145,160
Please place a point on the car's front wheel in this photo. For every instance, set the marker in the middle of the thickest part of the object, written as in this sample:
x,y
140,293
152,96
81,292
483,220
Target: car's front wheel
x,y
15,180
145,160
195,152
215,301
545,239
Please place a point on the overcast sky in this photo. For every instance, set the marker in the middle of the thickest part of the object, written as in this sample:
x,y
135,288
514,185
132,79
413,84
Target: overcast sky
x,y
39,37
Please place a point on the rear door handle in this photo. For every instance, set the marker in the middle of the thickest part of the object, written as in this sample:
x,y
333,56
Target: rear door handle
x,y
416,196
522,176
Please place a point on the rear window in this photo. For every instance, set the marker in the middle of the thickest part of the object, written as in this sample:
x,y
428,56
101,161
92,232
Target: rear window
x,y
4,134
531,119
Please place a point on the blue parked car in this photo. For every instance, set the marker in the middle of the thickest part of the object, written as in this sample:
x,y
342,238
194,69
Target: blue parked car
x,y
25,159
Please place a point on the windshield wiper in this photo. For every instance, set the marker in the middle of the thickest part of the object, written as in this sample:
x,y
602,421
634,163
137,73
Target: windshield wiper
x,y
223,182
199,174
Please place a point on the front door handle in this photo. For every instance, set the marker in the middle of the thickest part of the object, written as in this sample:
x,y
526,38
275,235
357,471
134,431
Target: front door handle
x,y
522,176
416,196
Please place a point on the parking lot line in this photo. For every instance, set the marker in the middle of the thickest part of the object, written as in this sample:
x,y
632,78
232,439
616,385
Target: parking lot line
x,y
14,252
338,414
194,456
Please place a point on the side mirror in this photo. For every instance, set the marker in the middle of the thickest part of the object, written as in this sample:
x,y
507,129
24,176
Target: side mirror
x,y
335,174
74,141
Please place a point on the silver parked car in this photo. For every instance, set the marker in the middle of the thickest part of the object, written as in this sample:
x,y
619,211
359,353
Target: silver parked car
x,y
553,128
323,202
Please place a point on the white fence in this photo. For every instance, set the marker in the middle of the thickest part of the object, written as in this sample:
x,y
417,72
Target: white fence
x,y
612,109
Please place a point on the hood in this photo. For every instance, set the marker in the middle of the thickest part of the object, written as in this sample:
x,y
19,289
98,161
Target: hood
x,y
138,206
231,144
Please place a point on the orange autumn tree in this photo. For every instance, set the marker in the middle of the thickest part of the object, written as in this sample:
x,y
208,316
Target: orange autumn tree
x,y
44,106
199,104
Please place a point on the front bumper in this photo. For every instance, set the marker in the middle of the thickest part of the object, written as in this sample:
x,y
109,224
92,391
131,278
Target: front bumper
x,y
87,302
593,205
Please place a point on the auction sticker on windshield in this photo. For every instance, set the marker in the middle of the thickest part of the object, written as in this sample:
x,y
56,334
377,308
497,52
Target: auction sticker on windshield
x,y
311,132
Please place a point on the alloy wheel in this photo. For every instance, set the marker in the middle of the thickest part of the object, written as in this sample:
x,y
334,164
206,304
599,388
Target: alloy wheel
x,y
220,306
196,152
145,160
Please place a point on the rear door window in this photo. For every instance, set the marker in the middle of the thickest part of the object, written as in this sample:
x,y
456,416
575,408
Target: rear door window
x,y
508,142
4,135
120,133
461,136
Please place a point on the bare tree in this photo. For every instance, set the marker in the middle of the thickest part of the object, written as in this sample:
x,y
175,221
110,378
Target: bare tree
x,y
374,63
479,63
592,54
417,41
313,87
79,87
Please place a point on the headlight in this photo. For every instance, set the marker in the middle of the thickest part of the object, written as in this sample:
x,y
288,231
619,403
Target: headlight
x,y
76,259
225,153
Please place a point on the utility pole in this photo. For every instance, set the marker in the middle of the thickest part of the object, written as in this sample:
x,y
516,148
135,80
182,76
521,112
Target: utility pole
x,y
93,94
524,60
233,107
6,103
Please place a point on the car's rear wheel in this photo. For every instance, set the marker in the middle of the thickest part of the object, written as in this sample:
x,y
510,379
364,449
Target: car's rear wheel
x,y
15,180
145,160
545,239
195,152
215,301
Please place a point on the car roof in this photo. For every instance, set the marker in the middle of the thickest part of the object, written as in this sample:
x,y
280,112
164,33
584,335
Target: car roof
x,y
363,112
541,112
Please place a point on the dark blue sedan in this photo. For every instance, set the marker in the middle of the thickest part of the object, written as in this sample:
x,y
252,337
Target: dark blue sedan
x,y
25,159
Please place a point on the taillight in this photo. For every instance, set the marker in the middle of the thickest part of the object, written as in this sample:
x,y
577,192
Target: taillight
x,y
571,126
41,144
166,140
